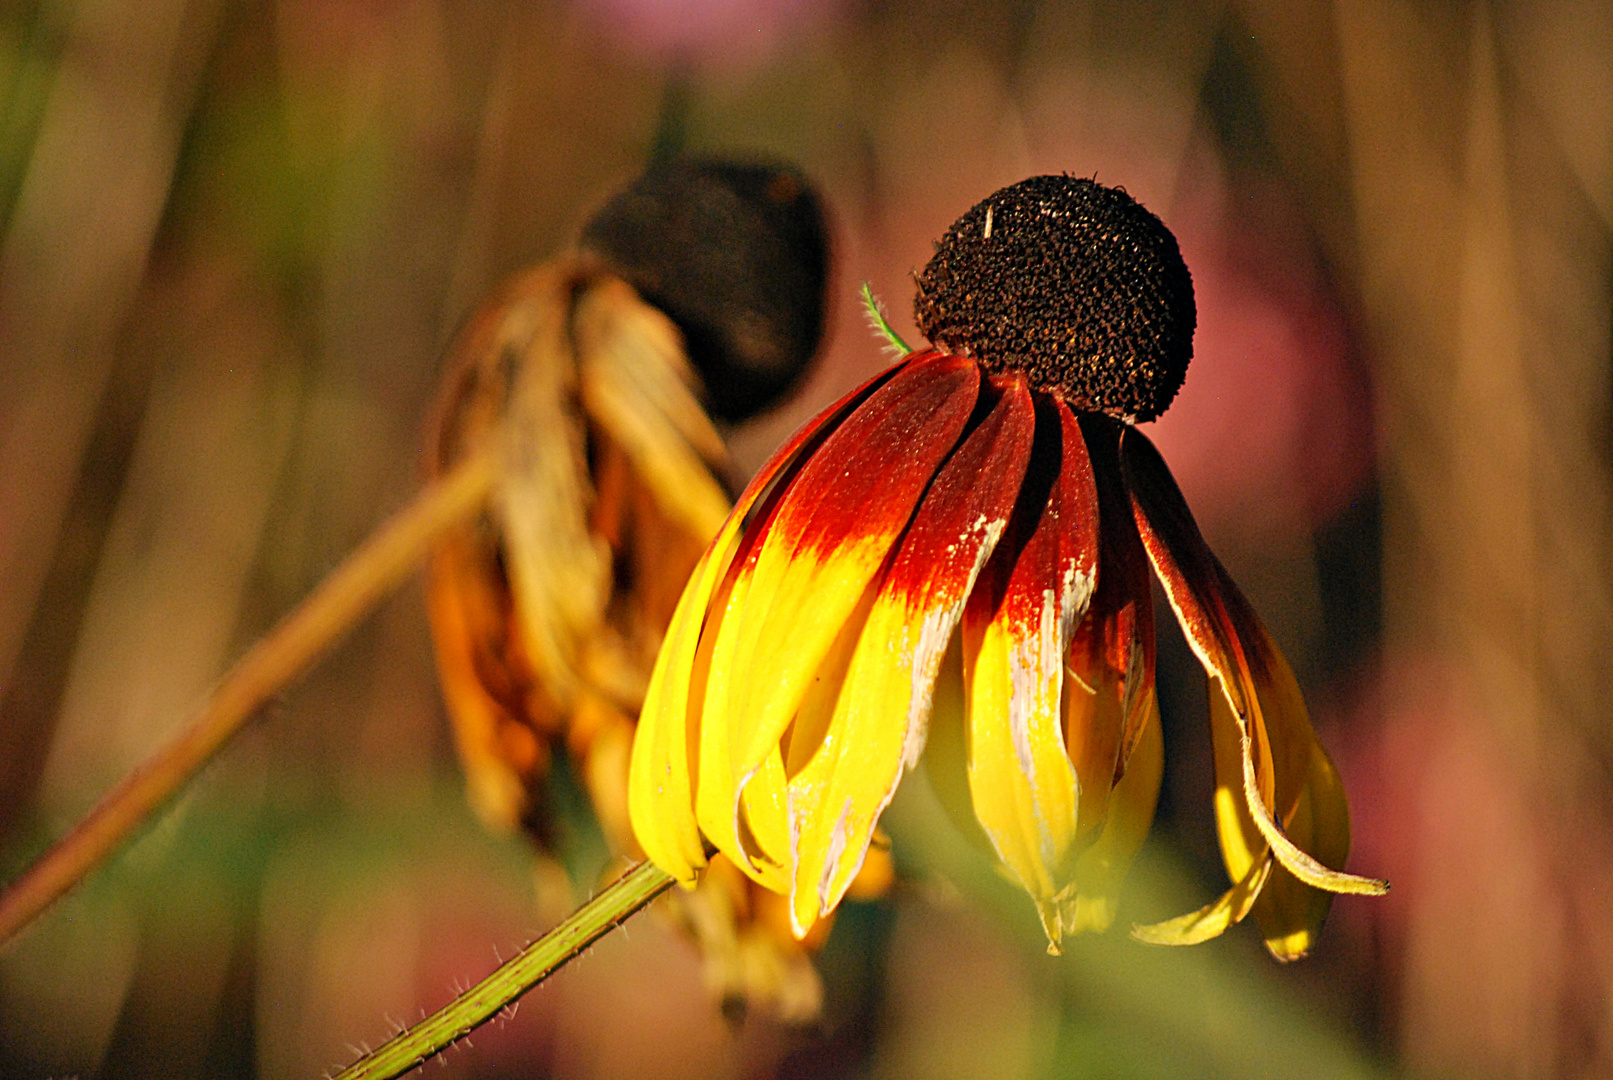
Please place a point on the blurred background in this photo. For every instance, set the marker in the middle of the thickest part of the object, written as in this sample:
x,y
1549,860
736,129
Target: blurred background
x,y
235,236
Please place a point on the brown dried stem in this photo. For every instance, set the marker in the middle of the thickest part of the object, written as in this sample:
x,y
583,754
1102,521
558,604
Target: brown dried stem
x,y
380,565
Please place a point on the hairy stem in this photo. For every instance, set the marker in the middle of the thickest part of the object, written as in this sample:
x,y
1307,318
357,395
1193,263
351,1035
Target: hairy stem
x,y
414,1046
384,561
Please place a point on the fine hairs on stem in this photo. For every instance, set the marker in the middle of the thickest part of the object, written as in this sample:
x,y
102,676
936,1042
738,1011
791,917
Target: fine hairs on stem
x,y
384,562
493,995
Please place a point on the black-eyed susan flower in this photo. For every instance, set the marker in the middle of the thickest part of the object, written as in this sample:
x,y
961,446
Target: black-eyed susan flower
x,y
989,499
696,294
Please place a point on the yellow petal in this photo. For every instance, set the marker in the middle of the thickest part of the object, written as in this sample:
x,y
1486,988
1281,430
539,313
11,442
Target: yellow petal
x,y
1288,911
877,728
660,789
1020,778
1211,920
822,598
1101,869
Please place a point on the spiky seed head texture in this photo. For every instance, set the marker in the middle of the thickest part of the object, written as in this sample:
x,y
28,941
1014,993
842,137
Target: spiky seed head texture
x,y
1074,284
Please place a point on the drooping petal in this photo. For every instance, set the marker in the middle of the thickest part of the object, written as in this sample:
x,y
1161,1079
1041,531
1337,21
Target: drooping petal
x,y
559,572
637,384
1213,919
1018,622
1220,627
1114,649
1101,869
1242,845
878,724
813,560
661,777
485,678
508,661
1288,911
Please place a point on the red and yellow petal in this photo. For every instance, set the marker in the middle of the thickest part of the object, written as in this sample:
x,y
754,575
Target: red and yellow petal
x,y
661,776
1018,622
1115,649
878,724
1222,631
812,563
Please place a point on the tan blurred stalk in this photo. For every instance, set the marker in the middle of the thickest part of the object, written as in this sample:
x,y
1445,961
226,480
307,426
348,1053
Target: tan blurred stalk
x,y
381,564
1483,255
95,187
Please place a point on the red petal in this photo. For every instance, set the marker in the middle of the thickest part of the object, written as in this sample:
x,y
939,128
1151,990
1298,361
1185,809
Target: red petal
x,y
1020,616
870,473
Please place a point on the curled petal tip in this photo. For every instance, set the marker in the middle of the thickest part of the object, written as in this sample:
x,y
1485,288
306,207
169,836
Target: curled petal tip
x,y
1211,920
1296,860
1365,886
1285,955
1057,915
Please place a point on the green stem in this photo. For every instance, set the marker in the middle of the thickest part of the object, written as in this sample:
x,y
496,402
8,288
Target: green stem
x,y
411,1048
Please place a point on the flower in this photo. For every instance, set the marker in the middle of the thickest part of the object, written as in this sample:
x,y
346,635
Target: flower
x,y
977,524
695,294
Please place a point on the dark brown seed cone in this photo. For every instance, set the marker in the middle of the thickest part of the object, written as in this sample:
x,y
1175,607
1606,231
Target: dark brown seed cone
x,y
736,255
1072,283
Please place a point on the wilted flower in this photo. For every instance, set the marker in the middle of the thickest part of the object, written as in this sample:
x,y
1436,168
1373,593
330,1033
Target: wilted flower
x,y
699,289
991,500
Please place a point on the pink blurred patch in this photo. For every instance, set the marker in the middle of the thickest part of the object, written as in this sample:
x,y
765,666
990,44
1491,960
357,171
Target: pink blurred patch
x,y
720,32
1272,430
1497,938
